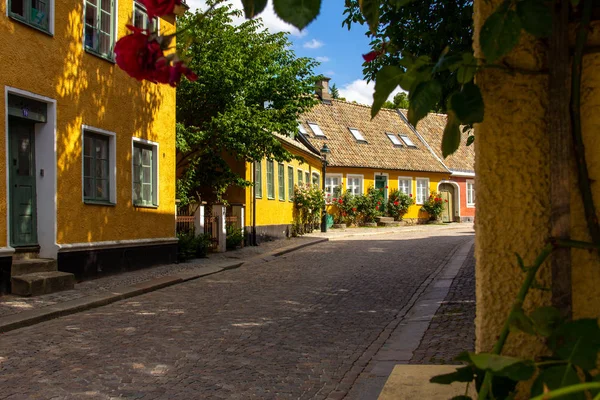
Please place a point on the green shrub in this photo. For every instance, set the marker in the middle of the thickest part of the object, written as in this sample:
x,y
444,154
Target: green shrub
x,y
434,206
191,246
398,204
369,205
234,238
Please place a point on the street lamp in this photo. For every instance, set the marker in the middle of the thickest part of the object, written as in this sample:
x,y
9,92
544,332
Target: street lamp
x,y
324,151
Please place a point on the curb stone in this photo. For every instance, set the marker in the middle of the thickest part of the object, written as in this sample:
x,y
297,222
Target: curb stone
x,y
33,317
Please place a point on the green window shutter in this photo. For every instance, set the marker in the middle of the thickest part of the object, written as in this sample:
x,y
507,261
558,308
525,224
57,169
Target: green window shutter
x,y
258,179
96,179
290,183
270,180
281,176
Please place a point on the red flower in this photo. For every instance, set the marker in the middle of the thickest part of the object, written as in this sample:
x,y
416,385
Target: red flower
x,y
334,199
157,8
377,207
410,195
343,214
341,201
378,203
445,201
370,56
353,208
386,187
396,203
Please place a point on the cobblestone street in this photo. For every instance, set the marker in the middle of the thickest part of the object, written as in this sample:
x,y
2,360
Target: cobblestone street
x,y
289,328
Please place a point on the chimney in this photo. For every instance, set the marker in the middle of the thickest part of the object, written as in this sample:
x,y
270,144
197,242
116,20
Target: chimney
x,y
323,89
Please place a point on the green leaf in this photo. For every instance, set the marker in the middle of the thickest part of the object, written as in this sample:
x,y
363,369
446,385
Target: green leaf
x,y
297,12
463,374
468,104
536,17
401,3
554,378
422,100
253,7
370,9
546,320
465,73
500,33
386,80
521,263
577,342
451,138
513,368
522,322
470,140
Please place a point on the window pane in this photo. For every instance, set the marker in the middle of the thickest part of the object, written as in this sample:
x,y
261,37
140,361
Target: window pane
x,y
101,147
147,157
299,177
104,45
137,192
306,177
39,13
102,189
87,187
102,169
17,7
138,18
105,22
91,37
105,4
90,14
147,193
146,174
357,134
87,166
407,141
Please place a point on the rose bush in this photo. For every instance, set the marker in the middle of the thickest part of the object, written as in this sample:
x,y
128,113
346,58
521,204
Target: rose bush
x,y
434,206
398,204
308,205
369,205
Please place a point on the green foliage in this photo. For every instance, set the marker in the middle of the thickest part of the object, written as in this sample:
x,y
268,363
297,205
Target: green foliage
x,y
308,206
335,93
398,204
369,205
234,236
343,207
221,117
434,206
191,246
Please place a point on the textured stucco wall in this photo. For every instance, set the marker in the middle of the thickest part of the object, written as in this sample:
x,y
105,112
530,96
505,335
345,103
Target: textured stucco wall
x,y
513,202
92,91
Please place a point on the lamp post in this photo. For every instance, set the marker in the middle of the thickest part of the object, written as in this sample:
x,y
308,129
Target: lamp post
x,y
324,151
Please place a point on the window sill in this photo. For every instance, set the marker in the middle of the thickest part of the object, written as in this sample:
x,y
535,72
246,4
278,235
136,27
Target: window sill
x,y
270,198
95,54
99,203
470,205
29,24
258,197
153,206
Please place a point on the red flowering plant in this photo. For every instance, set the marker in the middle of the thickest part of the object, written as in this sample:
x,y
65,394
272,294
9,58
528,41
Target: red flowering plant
x,y
367,207
434,206
398,204
146,55
343,209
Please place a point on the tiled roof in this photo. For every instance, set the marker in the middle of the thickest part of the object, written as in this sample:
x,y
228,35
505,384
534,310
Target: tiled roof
x,y
378,151
431,128
295,143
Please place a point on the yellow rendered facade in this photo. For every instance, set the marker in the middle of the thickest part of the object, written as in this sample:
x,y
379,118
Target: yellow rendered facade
x,y
84,90
278,208
513,186
367,177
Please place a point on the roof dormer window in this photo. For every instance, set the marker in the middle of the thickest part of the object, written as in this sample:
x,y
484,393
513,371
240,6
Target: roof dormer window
x,y
357,135
407,140
301,129
394,139
316,129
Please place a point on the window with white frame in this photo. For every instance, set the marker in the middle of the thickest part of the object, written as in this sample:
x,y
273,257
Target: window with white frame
x,y
258,179
316,129
331,182
140,18
470,193
422,190
99,27
270,179
281,181
306,177
145,173
301,128
99,168
32,12
357,134
354,184
300,177
316,178
290,183
405,185
407,140
394,139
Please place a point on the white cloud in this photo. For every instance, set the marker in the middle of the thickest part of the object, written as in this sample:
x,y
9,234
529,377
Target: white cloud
x,y
313,44
362,92
271,21
322,59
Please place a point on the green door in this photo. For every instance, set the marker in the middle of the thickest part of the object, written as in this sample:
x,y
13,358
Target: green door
x,y
381,183
23,224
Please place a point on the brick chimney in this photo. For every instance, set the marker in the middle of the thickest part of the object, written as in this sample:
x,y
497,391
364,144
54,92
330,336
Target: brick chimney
x,y
323,89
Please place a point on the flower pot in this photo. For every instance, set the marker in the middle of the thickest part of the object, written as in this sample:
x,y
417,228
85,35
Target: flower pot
x,y
339,226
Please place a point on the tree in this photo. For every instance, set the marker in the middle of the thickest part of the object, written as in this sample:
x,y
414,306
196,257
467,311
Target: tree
x,y
249,85
400,101
419,28
335,93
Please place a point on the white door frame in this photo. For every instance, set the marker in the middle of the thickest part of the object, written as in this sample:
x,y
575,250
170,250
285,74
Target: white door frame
x,y
457,200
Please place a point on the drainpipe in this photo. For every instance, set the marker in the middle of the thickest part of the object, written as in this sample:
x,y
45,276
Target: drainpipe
x,y
254,243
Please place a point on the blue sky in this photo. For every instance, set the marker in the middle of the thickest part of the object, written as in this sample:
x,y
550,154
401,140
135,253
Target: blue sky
x,y
339,50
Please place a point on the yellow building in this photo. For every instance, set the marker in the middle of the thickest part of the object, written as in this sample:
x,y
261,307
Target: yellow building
x,y
384,152
89,152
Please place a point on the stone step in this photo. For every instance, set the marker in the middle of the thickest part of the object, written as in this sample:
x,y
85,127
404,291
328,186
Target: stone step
x,y
29,266
388,223
39,283
384,219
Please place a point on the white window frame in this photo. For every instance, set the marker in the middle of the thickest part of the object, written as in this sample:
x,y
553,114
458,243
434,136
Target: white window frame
x,y
425,197
408,141
137,3
410,184
112,164
318,132
155,174
307,177
361,186
330,193
301,128
357,134
394,139
312,177
51,8
473,198
111,55
300,181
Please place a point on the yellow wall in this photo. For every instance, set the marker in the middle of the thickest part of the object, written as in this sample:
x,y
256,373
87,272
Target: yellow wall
x,y
513,178
92,91
274,211
368,174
